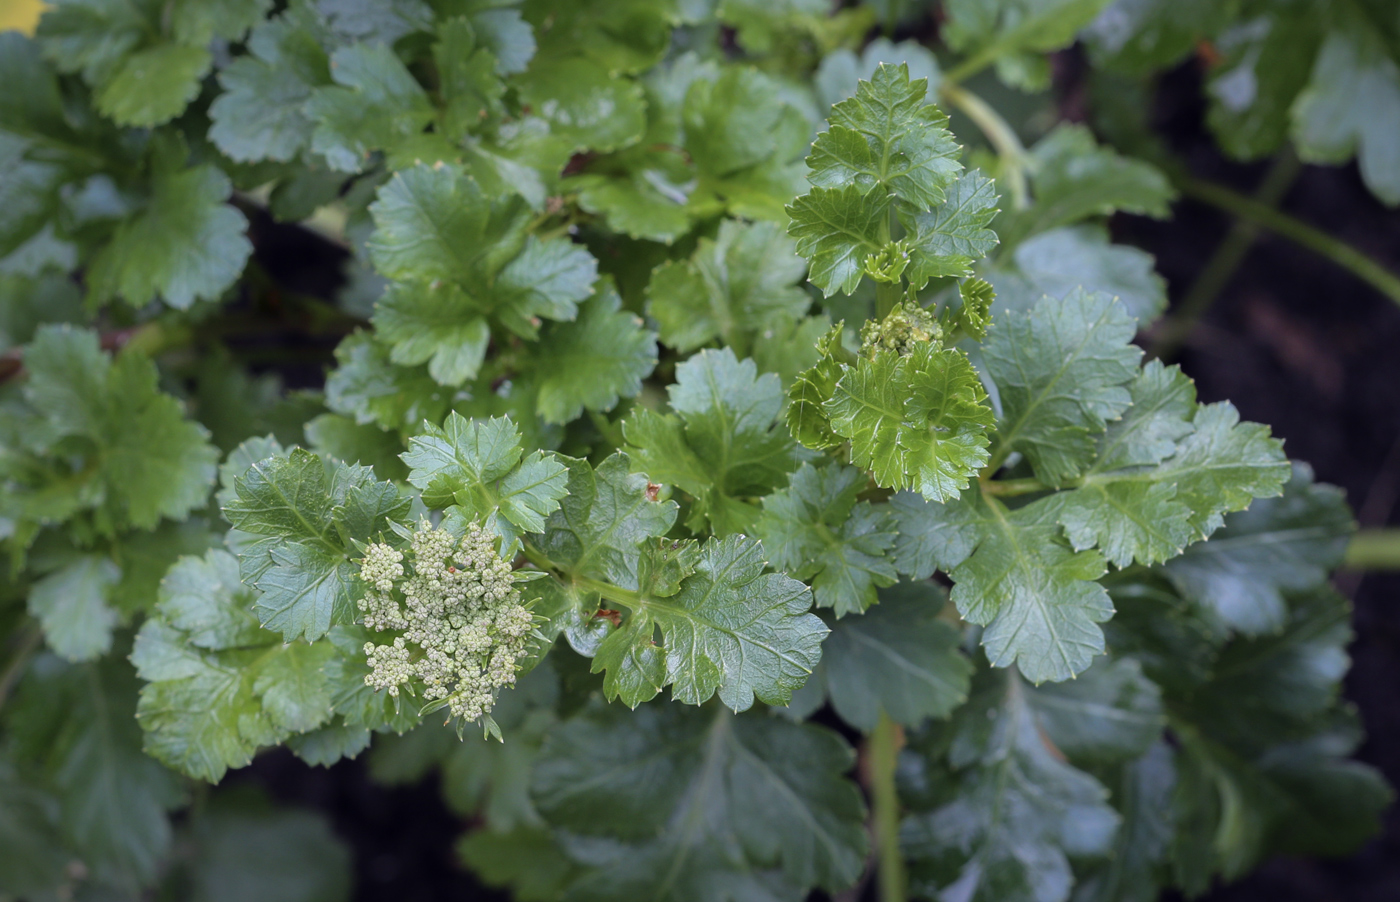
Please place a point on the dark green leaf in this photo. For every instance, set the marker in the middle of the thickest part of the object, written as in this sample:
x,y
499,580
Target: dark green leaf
x,y
702,804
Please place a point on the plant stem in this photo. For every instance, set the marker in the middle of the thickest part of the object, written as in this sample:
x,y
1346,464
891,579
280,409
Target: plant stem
x,y
1228,256
1374,549
610,431
1258,214
887,295
972,65
28,645
1009,487
882,750
1002,136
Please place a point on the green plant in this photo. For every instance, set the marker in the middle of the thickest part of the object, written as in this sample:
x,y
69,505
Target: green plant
x,y
590,440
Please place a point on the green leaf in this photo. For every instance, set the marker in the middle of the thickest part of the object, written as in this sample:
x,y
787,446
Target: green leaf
x,y
587,106
244,848
1061,372
358,705
841,71
1261,760
144,65
761,24
141,459
641,192
1223,465
1267,60
154,85
1004,814
1279,544
722,445
468,81
218,686
328,744
1075,179
1142,794
591,363
341,437
1138,37
434,323
806,412
71,606
899,658
946,240
463,259
836,229
626,36
1206,462
374,104
1018,25
261,113
730,629
1109,714
931,538
1056,262
702,805
368,386
379,23
917,421
480,466
434,222
1352,104
32,858
731,289
29,194
1013,573
888,137
816,532
547,279
185,245
603,520
746,141
77,725
1037,598
1129,520
313,511
529,860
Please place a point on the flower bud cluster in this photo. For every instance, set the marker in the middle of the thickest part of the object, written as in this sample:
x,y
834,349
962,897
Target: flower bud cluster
x,y
906,326
463,626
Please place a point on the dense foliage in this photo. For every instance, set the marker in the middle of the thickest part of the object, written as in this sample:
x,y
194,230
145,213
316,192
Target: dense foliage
x,y
707,403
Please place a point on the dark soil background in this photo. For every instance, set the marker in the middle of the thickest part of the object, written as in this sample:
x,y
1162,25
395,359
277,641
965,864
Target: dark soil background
x,y
1293,341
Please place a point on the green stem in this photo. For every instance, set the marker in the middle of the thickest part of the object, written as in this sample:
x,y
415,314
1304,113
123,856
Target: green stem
x,y
610,431
1221,267
1014,159
882,750
972,65
1010,487
625,597
1374,549
1283,225
28,645
887,295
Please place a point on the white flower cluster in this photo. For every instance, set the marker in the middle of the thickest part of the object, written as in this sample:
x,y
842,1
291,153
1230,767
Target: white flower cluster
x,y
464,626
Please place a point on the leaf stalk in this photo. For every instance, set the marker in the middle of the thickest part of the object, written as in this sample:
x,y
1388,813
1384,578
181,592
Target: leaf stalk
x,y
1015,161
1373,549
882,755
